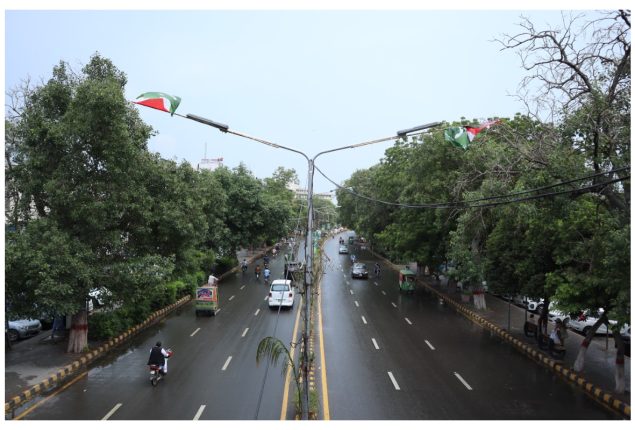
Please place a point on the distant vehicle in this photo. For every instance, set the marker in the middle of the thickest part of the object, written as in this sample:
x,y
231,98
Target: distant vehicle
x,y
21,329
359,270
281,294
343,249
406,280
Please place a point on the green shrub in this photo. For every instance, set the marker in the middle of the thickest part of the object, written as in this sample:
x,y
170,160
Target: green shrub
x,y
103,325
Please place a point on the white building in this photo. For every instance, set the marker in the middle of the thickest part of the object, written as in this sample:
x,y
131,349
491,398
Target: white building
x,y
210,163
303,193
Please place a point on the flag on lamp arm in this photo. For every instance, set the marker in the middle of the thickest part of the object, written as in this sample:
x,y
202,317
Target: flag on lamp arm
x,y
160,101
457,136
463,136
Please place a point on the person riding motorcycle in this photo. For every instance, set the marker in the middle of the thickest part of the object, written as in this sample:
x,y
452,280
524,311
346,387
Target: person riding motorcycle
x,y
257,271
265,260
267,273
243,265
159,357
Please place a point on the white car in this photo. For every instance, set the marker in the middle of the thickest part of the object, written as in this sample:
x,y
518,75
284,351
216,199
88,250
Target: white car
x,y
534,305
20,329
583,322
586,320
281,294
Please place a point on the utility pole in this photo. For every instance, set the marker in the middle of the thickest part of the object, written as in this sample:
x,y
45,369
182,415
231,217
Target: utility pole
x,y
308,281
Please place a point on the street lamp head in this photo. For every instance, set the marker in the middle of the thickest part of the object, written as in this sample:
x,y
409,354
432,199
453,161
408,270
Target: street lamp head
x,y
403,133
218,125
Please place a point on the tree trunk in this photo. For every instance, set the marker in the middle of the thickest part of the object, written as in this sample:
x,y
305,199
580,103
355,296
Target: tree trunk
x,y
78,337
619,361
578,366
543,319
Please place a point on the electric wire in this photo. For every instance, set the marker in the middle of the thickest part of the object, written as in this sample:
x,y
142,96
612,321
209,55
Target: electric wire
x,y
464,204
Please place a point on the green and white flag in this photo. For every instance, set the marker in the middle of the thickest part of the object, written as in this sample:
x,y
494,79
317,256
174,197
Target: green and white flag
x,y
160,101
457,136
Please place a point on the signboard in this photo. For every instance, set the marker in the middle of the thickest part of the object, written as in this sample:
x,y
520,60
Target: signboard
x,y
207,294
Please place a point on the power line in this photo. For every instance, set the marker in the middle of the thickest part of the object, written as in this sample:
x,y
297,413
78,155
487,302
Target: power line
x,y
464,204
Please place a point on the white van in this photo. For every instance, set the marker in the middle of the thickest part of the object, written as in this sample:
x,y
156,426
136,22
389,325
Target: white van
x,y
281,294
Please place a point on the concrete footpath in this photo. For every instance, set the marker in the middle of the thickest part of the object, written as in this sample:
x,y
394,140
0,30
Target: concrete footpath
x,y
38,364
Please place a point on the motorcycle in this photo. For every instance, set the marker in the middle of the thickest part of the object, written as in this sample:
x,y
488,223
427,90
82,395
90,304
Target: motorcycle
x,y
156,371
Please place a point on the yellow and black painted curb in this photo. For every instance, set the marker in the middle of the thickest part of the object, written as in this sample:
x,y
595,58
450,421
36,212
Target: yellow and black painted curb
x,y
61,375
596,393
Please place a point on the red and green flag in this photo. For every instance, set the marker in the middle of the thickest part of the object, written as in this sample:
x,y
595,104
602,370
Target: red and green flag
x,y
160,101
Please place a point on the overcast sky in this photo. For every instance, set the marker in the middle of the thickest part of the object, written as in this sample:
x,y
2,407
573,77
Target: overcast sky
x,y
311,80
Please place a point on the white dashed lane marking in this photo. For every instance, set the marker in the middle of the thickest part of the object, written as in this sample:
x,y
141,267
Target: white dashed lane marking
x,y
364,319
245,332
394,381
393,304
375,343
463,381
408,321
227,362
195,331
430,345
198,414
356,304
257,311
112,411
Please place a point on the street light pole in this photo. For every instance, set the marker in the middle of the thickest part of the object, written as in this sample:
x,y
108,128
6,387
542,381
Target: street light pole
x,y
308,276
308,282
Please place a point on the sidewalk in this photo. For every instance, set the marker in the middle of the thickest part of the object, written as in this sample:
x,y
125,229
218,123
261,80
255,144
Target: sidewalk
x,y
599,367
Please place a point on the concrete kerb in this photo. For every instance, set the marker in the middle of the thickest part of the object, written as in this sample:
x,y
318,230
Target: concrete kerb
x,y
597,394
63,374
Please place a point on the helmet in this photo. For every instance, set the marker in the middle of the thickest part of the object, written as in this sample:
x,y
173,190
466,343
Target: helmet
x,y
158,343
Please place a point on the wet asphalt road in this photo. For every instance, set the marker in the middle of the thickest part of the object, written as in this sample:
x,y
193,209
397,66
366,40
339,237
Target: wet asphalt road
x,y
397,356
389,356
202,380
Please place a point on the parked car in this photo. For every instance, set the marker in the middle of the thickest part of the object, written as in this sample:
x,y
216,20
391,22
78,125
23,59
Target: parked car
x,y
20,329
343,249
359,270
586,319
281,294
535,305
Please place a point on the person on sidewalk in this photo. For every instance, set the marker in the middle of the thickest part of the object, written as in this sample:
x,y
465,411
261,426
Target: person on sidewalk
x,y
212,280
556,338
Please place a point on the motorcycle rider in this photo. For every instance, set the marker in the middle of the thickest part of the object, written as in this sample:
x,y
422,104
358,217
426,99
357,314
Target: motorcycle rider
x,y
159,357
257,271
377,270
267,273
243,265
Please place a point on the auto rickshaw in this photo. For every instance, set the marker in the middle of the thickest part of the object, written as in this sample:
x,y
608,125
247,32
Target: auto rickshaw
x,y
207,299
407,280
